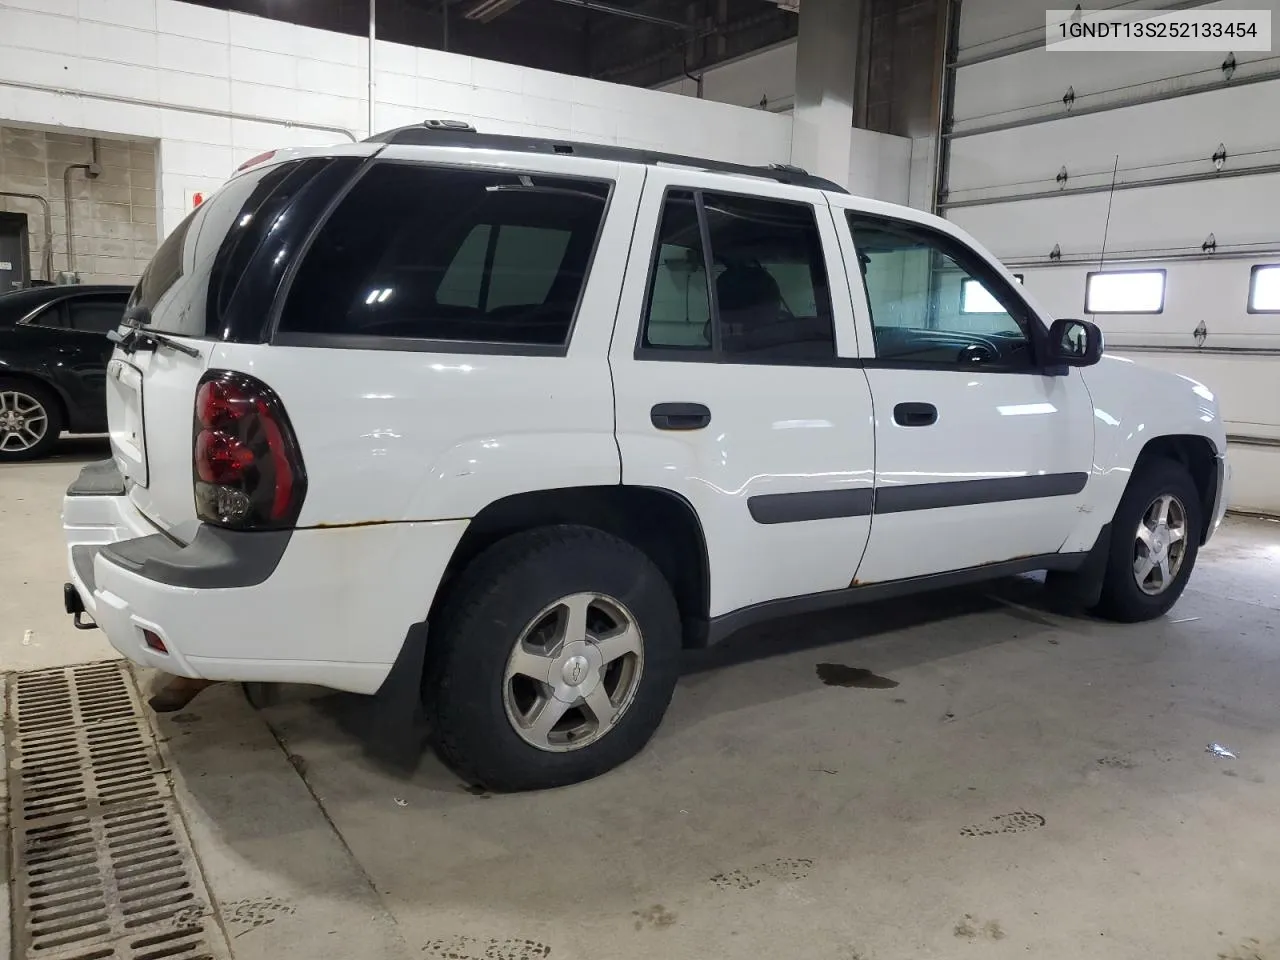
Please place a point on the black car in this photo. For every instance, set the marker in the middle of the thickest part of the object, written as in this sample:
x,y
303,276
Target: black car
x,y
53,364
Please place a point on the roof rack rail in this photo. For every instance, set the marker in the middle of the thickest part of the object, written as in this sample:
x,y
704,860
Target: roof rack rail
x,y
457,133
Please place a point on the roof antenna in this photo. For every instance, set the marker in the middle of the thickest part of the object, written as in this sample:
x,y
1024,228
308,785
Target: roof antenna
x,y
1102,256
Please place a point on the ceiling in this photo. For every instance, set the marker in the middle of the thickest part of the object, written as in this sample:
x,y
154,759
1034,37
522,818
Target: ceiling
x,y
642,42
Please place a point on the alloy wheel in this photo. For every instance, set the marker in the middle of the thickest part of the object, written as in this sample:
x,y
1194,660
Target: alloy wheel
x,y
1160,545
573,672
23,421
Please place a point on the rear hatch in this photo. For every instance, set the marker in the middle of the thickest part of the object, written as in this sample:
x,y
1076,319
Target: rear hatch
x,y
212,280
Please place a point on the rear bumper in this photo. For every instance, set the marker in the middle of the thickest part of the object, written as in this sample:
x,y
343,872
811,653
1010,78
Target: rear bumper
x,y
330,606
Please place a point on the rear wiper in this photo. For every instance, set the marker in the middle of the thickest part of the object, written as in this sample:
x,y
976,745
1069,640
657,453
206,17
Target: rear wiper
x,y
134,336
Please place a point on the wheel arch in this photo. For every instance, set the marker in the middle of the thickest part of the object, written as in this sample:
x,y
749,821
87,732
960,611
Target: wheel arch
x,y
1200,458
659,522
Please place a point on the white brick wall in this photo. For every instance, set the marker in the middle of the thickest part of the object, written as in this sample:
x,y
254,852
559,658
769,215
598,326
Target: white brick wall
x,y
279,75
174,53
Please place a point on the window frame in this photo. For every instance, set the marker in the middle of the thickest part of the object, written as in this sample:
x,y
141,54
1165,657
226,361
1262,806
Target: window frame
x,y
58,306
356,341
716,354
1164,293
1253,281
979,268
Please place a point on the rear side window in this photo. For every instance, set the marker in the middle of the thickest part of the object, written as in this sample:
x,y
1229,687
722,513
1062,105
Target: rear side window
x,y
95,314
54,315
427,253
196,270
767,298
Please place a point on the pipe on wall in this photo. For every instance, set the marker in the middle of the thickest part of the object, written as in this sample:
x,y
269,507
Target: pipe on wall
x,y
373,37
91,171
48,228
181,108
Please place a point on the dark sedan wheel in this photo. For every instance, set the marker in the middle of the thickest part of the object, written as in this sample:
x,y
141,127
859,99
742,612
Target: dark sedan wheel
x,y
30,420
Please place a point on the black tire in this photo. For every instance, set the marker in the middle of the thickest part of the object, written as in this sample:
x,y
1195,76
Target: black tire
x,y
48,401
487,609
1122,599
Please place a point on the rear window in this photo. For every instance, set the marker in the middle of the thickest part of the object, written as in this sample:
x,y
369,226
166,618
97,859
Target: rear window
x,y
198,267
427,253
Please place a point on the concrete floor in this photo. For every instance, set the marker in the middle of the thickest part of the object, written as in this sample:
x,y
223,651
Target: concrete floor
x,y
1029,785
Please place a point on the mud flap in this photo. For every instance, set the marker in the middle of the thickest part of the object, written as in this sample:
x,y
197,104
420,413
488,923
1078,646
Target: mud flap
x,y
391,725
1084,585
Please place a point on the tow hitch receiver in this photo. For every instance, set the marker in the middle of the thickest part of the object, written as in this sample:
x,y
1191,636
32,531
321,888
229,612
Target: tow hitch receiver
x,y
75,606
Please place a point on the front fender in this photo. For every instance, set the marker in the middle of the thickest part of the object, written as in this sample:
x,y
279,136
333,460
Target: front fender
x,y
1132,406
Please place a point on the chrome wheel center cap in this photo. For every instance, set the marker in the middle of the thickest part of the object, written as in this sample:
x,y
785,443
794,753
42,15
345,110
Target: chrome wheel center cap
x,y
576,672
1160,540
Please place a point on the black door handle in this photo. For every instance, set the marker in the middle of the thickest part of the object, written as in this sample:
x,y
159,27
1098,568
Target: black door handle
x,y
679,416
915,414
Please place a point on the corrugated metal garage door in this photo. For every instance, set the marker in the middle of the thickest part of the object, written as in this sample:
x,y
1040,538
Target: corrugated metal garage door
x,y
1034,139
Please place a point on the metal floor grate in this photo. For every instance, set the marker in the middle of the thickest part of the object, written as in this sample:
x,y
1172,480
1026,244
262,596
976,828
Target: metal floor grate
x,y
103,866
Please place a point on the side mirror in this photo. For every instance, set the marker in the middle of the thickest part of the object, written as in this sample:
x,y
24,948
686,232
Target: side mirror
x,y
1074,343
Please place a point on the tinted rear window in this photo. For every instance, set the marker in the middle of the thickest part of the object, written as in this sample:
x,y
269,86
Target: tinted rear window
x,y
195,271
429,253
95,314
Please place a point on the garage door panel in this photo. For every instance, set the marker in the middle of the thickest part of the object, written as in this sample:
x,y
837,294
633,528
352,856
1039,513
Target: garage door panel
x,y
1160,139
1164,114
1213,292
1176,217
991,93
1030,228
987,26
1020,85
990,25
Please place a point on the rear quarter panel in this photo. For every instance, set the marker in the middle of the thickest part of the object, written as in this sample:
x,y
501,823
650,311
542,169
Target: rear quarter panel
x,y
395,435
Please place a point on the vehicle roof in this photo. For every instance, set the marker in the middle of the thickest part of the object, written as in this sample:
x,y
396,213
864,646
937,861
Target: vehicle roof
x,y
18,303
435,133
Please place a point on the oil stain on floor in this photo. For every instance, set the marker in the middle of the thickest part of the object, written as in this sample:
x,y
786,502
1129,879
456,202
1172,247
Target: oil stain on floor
x,y
842,675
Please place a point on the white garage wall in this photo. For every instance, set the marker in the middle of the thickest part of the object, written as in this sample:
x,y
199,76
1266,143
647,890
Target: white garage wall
x,y
768,75
1164,115
185,68
196,59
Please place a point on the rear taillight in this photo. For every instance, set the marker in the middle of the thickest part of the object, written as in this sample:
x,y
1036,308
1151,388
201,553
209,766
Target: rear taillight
x,y
248,469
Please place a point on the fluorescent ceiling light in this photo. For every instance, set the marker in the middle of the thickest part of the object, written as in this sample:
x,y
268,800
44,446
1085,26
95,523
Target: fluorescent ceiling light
x,y
1264,289
487,10
974,297
1134,291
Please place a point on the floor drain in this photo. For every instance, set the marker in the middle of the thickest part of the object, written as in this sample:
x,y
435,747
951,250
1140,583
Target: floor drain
x,y
104,866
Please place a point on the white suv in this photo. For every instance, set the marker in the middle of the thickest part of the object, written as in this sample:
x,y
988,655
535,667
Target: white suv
x,y
573,408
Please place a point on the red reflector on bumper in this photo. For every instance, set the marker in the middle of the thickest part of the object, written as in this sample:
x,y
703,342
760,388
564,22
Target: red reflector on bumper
x,y
154,642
